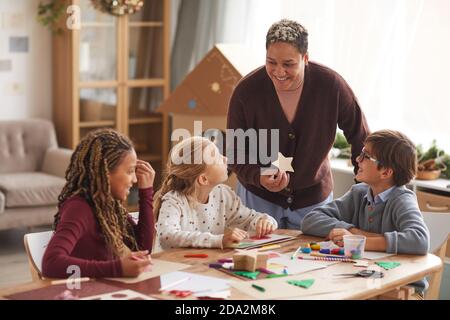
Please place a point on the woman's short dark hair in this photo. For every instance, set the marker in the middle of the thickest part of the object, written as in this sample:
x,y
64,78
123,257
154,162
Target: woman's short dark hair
x,y
288,31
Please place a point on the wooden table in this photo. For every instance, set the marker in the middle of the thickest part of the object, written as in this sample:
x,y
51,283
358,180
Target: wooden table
x,y
413,268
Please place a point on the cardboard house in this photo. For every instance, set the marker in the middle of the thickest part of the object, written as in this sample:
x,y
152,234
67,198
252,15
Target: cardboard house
x,y
205,92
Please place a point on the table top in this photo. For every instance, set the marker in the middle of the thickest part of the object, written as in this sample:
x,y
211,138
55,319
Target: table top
x,y
412,268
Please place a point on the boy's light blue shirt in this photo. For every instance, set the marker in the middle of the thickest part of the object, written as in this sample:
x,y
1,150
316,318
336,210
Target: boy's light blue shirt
x,y
394,213
381,197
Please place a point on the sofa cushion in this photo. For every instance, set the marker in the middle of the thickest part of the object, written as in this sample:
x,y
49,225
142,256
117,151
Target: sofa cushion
x,y
23,144
29,189
2,202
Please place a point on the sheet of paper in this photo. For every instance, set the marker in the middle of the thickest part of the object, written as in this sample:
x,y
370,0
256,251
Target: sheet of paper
x,y
159,267
278,288
120,295
374,255
296,266
195,283
252,242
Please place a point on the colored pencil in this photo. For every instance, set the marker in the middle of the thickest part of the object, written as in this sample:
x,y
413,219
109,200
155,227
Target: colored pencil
x,y
70,280
196,255
296,251
258,288
341,259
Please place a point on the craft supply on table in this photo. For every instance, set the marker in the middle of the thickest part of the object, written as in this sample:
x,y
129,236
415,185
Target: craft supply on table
x,y
275,275
247,274
296,252
336,259
354,246
223,260
269,247
196,255
315,246
173,284
361,263
306,250
363,274
302,283
70,281
259,288
387,265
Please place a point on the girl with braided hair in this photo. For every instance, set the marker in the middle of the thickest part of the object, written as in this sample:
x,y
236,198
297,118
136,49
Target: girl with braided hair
x,y
194,208
93,230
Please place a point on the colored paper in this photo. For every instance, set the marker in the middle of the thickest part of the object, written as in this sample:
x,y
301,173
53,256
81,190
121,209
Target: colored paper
x,y
302,283
388,264
247,274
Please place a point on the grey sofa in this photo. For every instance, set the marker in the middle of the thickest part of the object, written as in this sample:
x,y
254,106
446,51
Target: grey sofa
x,y
32,170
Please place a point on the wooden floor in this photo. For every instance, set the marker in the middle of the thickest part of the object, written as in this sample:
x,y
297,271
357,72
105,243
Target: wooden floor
x,y
13,259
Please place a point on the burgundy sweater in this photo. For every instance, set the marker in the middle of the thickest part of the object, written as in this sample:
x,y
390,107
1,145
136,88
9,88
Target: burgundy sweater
x,y
78,240
326,102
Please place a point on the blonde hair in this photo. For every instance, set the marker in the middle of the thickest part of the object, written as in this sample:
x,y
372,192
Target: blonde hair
x,y
97,154
184,166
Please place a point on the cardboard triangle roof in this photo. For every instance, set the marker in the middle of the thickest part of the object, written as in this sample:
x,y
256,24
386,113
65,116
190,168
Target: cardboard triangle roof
x,y
207,89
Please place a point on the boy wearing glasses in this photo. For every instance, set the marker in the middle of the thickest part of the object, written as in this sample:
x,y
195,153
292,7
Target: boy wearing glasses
x,y
381,207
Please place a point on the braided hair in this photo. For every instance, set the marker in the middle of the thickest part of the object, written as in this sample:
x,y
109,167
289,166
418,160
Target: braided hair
x,y
97,154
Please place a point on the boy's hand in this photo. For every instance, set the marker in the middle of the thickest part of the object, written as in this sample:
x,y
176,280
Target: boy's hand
x,y
264,226
136,263
233,236
145,174
337,236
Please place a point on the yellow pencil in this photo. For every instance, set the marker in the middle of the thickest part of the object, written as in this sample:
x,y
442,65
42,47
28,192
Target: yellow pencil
x,y
296,251
70,280
269,247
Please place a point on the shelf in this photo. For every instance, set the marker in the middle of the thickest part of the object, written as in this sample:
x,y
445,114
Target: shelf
x,y
145,121
97,24
156,82
98,84
93,124
149,156
146,24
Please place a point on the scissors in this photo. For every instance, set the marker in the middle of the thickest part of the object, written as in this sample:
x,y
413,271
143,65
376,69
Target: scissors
x,y
363,274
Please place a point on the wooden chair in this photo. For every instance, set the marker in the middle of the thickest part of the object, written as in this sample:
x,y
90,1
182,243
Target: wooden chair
x,y
439,226
35,245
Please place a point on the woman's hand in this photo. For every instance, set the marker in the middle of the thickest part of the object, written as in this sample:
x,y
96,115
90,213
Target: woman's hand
x,y
337,236
264,226
145,174
276,182
232,236
136,263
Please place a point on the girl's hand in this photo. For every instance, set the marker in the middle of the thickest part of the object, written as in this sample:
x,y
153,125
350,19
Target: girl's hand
x,y
264,226
145,174
232,236
337,236
136,263
275,183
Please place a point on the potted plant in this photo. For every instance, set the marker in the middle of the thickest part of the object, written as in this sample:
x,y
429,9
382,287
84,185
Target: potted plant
x,y
432,163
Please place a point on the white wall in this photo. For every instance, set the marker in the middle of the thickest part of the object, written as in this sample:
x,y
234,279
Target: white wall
x,y
393,53
25,91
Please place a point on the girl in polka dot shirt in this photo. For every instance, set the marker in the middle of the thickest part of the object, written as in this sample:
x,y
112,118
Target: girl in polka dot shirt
x,y
193,207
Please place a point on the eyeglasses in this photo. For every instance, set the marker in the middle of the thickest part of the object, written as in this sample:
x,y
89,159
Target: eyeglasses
x,y
364,155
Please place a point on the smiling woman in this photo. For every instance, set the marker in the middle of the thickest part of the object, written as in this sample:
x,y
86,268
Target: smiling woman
x,y
304,101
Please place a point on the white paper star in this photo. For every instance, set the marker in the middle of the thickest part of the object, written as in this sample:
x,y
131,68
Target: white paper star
x,y
283,163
